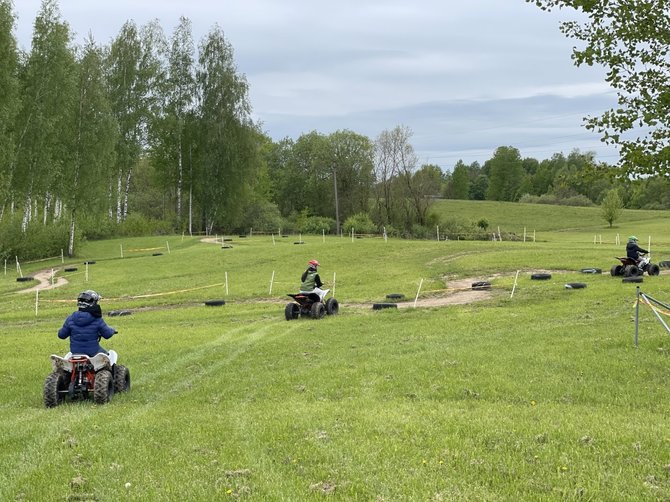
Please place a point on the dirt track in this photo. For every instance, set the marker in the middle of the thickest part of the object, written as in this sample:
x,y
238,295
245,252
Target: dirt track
x,y
44,278
459,292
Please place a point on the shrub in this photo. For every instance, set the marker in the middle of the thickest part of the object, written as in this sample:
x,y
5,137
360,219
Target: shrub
x,y
38,240
361,223
316,225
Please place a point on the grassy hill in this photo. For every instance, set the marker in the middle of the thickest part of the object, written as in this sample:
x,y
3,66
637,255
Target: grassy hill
x,y
537,396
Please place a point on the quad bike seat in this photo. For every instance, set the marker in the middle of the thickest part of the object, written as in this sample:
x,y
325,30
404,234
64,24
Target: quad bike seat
x,y
99,361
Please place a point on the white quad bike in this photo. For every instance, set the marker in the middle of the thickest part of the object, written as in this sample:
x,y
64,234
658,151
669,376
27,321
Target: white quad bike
x,y
311,304
78,376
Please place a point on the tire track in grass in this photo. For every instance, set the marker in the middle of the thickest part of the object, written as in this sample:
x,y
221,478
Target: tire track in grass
x,y
36,451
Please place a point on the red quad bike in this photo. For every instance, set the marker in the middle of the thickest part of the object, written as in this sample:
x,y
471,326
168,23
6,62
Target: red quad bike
x,y
631,268
311,304
78,376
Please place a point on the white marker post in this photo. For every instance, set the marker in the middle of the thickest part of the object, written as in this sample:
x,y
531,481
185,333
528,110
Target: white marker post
x,y
333,284
273,240
514,287
438,233
121,246
168,246
272,280
226,283
86,275
417,293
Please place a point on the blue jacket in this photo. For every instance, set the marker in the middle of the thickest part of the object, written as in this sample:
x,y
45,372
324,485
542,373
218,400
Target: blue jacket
x,y
84,330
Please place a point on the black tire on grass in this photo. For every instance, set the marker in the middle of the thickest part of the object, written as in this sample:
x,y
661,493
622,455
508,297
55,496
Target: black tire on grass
x,y
481,285
103,389
575,285
54,386
157,254
215,303
117,313
664,264
24,279
380,306
70,269
633,278
395,296
90,262
540,276
591,271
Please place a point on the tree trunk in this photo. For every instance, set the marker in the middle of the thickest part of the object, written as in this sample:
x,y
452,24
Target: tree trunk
x,y
70,245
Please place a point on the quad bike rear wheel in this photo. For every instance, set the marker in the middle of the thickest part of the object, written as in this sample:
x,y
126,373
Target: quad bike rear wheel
x,y
55,386
332,306
121,378
616,270
318,310
291,311
103,389
631,271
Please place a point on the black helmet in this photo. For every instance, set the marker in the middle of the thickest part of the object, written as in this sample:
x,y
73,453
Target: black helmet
x,y
87,299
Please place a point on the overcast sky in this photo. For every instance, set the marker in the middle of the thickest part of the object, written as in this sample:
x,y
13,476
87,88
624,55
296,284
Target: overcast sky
x,y
466,76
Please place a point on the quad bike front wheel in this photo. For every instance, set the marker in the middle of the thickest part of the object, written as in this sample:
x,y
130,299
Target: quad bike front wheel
x,y
332,306
291,311
103,389
121,378
55,387
653,269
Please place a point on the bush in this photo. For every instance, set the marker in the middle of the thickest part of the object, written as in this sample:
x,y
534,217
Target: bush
x,y
38,241
316,225
361,223
262,216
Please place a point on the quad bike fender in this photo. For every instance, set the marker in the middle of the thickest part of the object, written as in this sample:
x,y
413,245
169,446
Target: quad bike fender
x,y
99,361
316,295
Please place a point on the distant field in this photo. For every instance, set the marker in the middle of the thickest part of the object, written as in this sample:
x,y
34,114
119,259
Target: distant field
x,y
539,395
513,217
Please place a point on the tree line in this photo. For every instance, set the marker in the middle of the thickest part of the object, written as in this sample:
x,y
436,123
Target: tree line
x,y
151,133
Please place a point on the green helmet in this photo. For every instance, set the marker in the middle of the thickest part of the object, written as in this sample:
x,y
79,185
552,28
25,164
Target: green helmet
x,y
632,238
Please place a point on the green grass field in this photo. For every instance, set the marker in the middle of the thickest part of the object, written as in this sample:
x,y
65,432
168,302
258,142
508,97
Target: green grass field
x,y
539,396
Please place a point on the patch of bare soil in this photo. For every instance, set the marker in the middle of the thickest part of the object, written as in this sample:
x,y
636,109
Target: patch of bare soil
x,y
459,292
45,282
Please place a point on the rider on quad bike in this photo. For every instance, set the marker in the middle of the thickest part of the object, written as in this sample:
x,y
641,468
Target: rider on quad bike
x,y
633,250
310,278
636,262
88,369
86,326
310,300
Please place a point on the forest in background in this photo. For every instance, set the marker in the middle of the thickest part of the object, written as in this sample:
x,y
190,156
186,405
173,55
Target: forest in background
x,y
153,134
